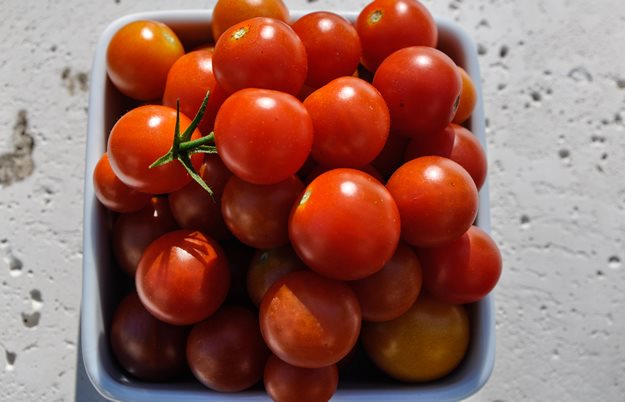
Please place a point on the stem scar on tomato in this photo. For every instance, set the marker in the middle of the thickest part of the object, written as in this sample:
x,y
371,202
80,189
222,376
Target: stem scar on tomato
x,y
375,17
183,147
239,33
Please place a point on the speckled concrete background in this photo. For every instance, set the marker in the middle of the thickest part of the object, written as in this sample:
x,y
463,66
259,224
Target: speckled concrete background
x,y
554,82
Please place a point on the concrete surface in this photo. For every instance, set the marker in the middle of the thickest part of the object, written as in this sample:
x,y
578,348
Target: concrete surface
x,y
554,82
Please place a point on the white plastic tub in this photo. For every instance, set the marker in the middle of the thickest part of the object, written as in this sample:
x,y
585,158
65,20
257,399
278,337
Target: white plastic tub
x,y
101,286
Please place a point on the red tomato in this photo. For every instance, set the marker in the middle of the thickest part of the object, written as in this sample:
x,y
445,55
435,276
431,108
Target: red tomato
x,y
351,123
385,26
259,149
138,139
468,98
268,266
421,86
259,215
226,352
332,46
391,291
193,208
391,156
437,200
226,13
260,53
463,270
318,170
188,80
182,277
147,348
308,320
133,232
456,143
139,57
114,194
288,383
345,225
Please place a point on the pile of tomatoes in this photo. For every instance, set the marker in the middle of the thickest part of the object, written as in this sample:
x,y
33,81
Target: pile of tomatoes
x,y
293,193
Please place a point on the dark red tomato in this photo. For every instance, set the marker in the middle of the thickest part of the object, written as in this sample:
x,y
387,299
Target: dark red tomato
x,y
463,270
351,123
287,383
268,266
345,225
188,81
421,86
391,156
139,56
259,149
259,215
114,194
226,13
138,139
195,209
391,291
332,46
456,143
182,277
368,169
239,258
260,53
147,348
308,320
437,200
226,352
133,232
385,26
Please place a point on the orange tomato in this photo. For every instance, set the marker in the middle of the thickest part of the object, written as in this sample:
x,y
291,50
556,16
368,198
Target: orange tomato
x,y
468,98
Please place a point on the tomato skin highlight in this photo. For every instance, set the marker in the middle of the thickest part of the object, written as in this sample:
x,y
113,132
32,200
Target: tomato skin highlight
x,y
112,192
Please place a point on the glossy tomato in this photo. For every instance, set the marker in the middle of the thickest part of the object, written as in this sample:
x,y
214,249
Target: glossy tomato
x,y
421,86
345,225
308,320
351,123
271,143
468,98
114,194
139,138
287,383
182,277
437,200
226,352
424,344
332,46
139,56
267,266
260,53
463,270
385,26
226,13
147,348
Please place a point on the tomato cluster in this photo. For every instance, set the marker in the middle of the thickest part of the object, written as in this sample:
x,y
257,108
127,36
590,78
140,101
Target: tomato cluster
x,y
291,189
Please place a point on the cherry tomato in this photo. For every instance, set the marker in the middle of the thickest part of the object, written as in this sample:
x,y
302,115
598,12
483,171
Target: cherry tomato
x,y
463,270
391,156
260,53
193,208
139,138
332,46
259,215
226,352
147,348
226,13
318,170
424,344
133,232
259,149
351,123
345,225
468,98
456,143
391,291
139,56
268,266
188,80
182,277
437,200
287,383
114,194
308,320
385,26
421,86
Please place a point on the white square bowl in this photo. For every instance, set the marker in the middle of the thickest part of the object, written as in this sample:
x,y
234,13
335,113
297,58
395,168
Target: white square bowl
x,y
101,291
